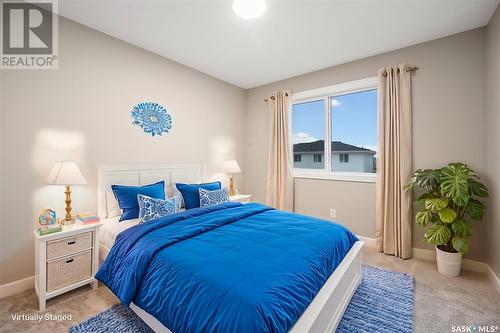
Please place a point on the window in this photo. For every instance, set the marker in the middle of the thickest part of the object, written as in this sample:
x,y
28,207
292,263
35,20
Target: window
x,y
308,128
297,158
335,130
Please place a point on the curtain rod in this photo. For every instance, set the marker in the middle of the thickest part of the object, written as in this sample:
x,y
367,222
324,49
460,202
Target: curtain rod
x,y
272,98
408,68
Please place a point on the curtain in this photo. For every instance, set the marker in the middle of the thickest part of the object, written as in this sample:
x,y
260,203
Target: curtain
x,y
394,162
279,171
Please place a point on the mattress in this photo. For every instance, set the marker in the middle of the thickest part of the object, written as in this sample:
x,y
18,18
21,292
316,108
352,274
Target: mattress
x,y
112,227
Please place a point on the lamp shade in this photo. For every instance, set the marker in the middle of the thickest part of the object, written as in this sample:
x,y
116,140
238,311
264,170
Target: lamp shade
x,y
231,167
65,173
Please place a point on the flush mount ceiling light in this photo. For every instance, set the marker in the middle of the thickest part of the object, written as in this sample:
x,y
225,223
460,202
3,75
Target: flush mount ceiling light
x,y
249,9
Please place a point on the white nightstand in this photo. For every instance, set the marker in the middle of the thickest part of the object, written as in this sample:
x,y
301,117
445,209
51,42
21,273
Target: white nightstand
x,y
243,198
66,260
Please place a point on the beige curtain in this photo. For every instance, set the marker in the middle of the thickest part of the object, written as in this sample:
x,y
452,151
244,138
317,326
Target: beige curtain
x,y
394,162
279,171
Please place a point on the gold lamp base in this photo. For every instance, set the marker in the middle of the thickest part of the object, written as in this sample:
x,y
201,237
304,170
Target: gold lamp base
x,y
231,185
68,219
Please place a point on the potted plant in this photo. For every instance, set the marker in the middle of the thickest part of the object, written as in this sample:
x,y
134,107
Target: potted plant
x,y
450,201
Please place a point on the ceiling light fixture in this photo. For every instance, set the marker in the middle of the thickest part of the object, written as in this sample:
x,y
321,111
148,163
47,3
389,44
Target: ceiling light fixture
x,y
249,9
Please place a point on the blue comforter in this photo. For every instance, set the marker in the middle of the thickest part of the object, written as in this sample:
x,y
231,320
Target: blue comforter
x,y
225,268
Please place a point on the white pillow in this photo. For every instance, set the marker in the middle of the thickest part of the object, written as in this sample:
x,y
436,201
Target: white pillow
x,y
112,207
177,193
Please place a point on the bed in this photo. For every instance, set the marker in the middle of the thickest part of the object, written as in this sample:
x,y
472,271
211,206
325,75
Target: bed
x,y
225,268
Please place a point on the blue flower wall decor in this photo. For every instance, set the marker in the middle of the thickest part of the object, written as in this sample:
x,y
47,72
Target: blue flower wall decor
x,y
152,118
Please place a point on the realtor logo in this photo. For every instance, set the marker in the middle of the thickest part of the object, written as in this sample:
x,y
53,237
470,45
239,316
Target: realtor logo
x,y
29,35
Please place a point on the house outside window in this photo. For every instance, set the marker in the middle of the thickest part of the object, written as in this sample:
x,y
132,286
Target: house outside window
x,y
343,158
297,158
334,130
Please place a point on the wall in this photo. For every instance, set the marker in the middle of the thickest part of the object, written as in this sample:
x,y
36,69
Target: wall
x,y
493,139
82,112
448,125
1,173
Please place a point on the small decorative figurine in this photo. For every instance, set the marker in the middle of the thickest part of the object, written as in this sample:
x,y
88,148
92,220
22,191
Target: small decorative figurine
x,y
47,217
47,222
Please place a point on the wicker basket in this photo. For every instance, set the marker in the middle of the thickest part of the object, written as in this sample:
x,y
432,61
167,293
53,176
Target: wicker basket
x,y
65,271
69,245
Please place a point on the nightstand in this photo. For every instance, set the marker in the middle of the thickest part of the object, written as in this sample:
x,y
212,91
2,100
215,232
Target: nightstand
x,y
243,198
66,260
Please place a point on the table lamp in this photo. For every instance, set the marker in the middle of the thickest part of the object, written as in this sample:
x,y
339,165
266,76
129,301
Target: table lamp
x,y
231,167
66,173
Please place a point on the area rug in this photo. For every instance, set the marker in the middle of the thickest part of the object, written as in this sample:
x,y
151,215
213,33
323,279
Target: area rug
x,y
118,318
383,302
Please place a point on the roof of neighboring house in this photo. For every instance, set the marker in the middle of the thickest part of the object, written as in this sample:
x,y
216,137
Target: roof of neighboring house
x,y
336,146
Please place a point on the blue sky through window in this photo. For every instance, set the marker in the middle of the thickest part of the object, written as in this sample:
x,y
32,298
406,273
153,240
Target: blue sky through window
x,y
354,120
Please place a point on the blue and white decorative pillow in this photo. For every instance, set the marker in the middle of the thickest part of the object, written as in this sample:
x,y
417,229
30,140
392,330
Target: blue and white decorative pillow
x,y
151,208
215,197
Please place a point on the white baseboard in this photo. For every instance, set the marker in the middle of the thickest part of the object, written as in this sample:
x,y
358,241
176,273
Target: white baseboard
x,y
369,242
430,255
17,287
494,279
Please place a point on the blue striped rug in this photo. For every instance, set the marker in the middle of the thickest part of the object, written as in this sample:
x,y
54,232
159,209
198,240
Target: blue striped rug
x,y
382,303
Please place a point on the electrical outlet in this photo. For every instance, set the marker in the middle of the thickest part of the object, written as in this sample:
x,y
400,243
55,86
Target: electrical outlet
x,y
333,212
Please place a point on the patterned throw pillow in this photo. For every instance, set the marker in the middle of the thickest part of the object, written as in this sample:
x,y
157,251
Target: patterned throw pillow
x,y
215,197
151,208
191,195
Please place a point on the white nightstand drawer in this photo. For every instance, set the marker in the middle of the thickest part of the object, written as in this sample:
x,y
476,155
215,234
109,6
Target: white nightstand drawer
x,y
68,270
69,245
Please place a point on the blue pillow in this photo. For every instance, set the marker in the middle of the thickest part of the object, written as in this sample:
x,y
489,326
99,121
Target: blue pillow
x,y
151,208
215,197
127,197
190,192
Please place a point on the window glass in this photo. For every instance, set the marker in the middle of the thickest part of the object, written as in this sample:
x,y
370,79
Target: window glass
x,y
308,134
354,132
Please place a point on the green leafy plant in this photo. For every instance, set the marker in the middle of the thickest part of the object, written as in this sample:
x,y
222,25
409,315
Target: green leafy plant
x,y
450,200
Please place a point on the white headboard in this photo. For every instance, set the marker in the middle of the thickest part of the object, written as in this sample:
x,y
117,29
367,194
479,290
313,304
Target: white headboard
x,y
138,175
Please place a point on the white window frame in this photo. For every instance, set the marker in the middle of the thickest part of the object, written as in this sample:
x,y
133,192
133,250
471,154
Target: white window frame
x,y
342,158
325,94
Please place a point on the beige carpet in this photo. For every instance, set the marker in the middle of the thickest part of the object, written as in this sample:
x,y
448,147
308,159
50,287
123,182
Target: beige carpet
x,y
440,302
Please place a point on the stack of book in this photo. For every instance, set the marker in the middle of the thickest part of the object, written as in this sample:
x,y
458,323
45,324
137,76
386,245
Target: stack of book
x,y
87,218
49,229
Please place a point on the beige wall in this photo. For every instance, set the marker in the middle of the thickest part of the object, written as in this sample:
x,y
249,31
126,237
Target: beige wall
x,y
493,139
448,125
82,112
1,174
316,197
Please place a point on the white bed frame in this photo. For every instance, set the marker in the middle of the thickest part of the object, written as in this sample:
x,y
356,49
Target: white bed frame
x,y
326,309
